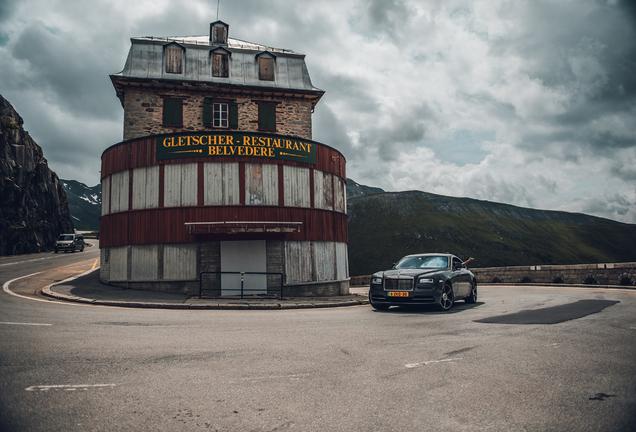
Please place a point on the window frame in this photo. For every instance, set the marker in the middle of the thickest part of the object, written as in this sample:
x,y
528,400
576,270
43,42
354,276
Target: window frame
x,y
208,113
220,104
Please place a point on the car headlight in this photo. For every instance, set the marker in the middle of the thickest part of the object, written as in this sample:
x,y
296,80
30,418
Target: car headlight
x,y
376,280
426,280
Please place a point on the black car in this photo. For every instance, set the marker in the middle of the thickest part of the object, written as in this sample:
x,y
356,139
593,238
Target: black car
x,y
423,279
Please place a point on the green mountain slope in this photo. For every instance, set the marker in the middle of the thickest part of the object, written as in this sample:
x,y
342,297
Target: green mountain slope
x,y
383,227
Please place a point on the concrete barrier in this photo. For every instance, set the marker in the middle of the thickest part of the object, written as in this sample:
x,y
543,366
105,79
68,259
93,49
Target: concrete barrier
x,y
612,274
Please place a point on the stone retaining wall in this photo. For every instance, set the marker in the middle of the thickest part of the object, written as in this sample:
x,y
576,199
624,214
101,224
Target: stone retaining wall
x,y
623,274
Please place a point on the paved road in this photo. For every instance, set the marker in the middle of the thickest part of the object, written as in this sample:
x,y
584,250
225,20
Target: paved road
x,y
74,367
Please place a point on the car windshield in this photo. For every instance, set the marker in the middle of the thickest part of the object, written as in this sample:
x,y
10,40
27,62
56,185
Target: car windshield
x,y
65,238
422,262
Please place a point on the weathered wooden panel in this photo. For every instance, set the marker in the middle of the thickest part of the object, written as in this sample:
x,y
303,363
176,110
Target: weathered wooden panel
x,y
118,263
222,186
261,184
180,185
119,191
339,194
254,194
180,261
323,190
296,186
145,187
298,261
342,261
324,261
143,262
105,195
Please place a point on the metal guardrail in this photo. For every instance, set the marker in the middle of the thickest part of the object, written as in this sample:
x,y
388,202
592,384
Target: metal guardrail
x,y
282,280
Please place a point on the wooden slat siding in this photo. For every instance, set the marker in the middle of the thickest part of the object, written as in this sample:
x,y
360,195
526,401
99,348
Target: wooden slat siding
x,y
180,185
281,184
145,188
179,261
298,261
328,191
119,263
143,262
119,191
319,198
312,194
105,196
200,182
342,261
241,182
296,184
130,186
339,198
162,176
221,183
324,258
142,152
169,223
254,194
270,184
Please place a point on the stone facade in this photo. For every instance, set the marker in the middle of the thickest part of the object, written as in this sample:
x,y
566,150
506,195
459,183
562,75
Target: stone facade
x,y
143,114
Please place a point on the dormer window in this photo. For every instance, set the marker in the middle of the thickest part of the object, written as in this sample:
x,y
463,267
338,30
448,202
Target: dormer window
x,y
218,33
266,66
220,63
174,59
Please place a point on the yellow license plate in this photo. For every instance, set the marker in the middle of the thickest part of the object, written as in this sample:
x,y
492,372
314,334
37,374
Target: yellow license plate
x,y
398,294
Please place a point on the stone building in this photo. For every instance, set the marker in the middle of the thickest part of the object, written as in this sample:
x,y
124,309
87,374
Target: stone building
x,y
218,175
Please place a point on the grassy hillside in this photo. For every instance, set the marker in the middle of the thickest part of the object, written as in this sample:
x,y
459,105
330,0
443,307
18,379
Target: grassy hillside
x,y
383,227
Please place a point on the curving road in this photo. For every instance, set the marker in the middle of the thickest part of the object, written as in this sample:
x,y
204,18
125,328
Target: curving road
x,y
489,366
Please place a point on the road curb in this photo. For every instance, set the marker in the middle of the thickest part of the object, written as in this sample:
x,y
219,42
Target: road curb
x,y
47,291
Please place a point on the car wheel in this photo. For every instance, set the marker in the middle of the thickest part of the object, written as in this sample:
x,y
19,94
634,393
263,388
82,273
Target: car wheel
x,y
73,249
473,294
82,249
447,298
55,251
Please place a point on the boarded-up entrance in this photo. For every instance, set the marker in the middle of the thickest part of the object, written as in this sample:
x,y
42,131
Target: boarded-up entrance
x,y
243,256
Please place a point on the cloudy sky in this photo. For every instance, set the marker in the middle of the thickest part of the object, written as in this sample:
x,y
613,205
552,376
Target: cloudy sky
x,y
531,103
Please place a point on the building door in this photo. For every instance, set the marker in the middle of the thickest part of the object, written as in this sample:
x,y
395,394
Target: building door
x,y
243,256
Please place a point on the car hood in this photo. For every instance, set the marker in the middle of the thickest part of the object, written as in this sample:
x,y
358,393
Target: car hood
x,y
410,272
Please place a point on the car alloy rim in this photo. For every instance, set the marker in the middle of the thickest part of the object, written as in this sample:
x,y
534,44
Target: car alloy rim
x,y
446,298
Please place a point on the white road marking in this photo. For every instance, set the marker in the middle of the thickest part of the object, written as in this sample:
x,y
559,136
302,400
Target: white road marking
x,y
67,387
414,365
35,324
21,262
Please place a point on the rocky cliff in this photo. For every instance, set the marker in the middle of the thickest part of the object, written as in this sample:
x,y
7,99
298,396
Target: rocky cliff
x,y
33,206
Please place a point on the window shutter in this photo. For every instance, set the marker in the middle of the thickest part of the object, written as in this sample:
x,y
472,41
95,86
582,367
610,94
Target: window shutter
x,y
266,69
173,60
267,117
207,113
233,115
172,112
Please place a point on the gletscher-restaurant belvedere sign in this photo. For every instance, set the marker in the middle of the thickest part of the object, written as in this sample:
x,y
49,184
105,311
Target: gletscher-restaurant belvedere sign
x,y
235,144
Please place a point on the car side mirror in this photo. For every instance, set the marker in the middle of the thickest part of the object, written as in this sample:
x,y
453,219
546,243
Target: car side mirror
x,y
393,265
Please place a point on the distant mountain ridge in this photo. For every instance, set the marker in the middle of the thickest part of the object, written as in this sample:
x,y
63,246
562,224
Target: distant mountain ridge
x,y
383,227
84,203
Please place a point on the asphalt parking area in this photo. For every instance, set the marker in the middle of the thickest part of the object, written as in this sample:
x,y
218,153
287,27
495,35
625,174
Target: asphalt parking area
x,y
552,315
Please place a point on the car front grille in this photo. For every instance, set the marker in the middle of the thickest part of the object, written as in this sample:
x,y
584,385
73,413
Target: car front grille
x,y
402,284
